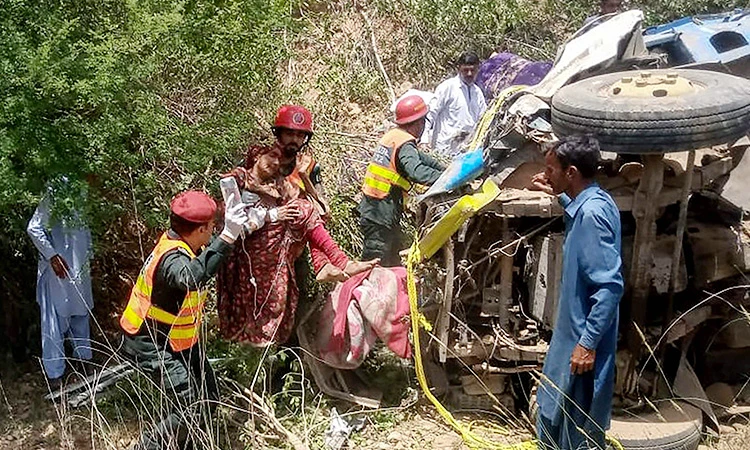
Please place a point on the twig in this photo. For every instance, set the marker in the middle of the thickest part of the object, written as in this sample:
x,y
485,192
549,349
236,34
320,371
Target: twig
x,y
542,51
364,137
374,43
135,209
350,144
261,405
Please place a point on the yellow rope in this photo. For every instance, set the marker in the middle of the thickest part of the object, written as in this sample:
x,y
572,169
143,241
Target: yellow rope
x,y
486,120
472,440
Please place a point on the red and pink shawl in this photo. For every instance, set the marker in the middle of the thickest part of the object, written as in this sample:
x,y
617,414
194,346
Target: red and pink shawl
x,y
357,312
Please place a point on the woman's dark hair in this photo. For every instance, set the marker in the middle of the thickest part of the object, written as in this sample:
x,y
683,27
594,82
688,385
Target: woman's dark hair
x,y
182,226
579,151
467,59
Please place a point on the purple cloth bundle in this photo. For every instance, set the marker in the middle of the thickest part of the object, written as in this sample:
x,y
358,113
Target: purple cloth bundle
x,y
507,69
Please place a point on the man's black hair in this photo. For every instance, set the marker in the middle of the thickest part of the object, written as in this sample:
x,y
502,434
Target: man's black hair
x,y
181,226
579,151
467,59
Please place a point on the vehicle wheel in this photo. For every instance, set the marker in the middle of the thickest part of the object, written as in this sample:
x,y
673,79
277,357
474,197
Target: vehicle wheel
x,y
677,426
674,428
657,111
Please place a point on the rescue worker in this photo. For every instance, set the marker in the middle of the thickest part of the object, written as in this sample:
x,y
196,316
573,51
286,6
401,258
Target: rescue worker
x,y
396,164
293,129
162,319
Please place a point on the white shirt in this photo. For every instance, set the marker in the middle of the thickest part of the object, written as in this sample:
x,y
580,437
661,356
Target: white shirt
x,y
70,296
454,111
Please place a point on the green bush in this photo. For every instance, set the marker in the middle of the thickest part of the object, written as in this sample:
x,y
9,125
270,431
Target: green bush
x,y
151,97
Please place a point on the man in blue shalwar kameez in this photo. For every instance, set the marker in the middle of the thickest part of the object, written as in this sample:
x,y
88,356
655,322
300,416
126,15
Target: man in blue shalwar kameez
x,y
63,285
575,396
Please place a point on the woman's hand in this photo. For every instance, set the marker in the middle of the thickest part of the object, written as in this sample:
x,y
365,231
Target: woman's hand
x,y
304,163
355,267
331,274
289,212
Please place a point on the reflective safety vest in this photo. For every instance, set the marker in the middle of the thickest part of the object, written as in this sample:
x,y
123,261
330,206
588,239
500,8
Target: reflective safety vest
x,y
295,177
183,333
382,172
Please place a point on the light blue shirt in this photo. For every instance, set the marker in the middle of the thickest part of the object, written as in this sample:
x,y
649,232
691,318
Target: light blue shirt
x,y
70,296
588,309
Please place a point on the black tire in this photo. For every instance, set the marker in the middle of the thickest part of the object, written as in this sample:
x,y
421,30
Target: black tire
x,y
716,114
677,427
674,428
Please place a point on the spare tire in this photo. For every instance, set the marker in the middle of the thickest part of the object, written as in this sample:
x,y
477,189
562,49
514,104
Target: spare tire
x,y
677,426
656,111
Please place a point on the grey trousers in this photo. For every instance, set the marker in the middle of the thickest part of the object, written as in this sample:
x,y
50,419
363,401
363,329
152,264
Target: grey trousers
x,y
188,393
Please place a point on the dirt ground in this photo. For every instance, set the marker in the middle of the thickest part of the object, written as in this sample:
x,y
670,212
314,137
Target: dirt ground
x,y
27,421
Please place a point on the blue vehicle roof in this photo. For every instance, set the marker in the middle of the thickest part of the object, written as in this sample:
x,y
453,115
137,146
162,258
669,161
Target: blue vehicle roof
x,y
720,38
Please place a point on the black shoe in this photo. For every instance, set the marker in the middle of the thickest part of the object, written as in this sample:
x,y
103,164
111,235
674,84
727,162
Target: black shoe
x,y
55,384
82,369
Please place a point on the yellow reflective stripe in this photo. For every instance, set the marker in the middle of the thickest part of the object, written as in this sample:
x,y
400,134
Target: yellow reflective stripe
x,y
164,317
131,316
142,287
183,333
192,300
390,175
376,184
383,172
402,182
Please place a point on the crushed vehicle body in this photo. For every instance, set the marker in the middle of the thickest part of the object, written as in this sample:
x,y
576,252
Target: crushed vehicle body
x,y
717,39
672,139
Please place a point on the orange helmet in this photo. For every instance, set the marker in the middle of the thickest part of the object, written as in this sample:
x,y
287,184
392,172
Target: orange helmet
x,y
293,117
410,109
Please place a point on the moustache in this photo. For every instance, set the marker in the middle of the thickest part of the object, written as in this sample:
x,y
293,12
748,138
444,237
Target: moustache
x,y
290,150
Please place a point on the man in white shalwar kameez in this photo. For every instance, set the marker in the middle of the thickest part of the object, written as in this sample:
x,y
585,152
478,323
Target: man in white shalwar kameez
x,y
455,109
63,286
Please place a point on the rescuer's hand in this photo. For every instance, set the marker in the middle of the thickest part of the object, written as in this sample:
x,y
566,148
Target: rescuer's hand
x,y
539,182
582,360
235,218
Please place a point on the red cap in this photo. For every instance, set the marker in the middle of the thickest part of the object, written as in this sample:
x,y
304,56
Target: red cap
x,y
294,117
410,109
194,206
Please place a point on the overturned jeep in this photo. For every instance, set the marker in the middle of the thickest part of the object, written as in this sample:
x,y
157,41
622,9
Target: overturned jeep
x,y
673,142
